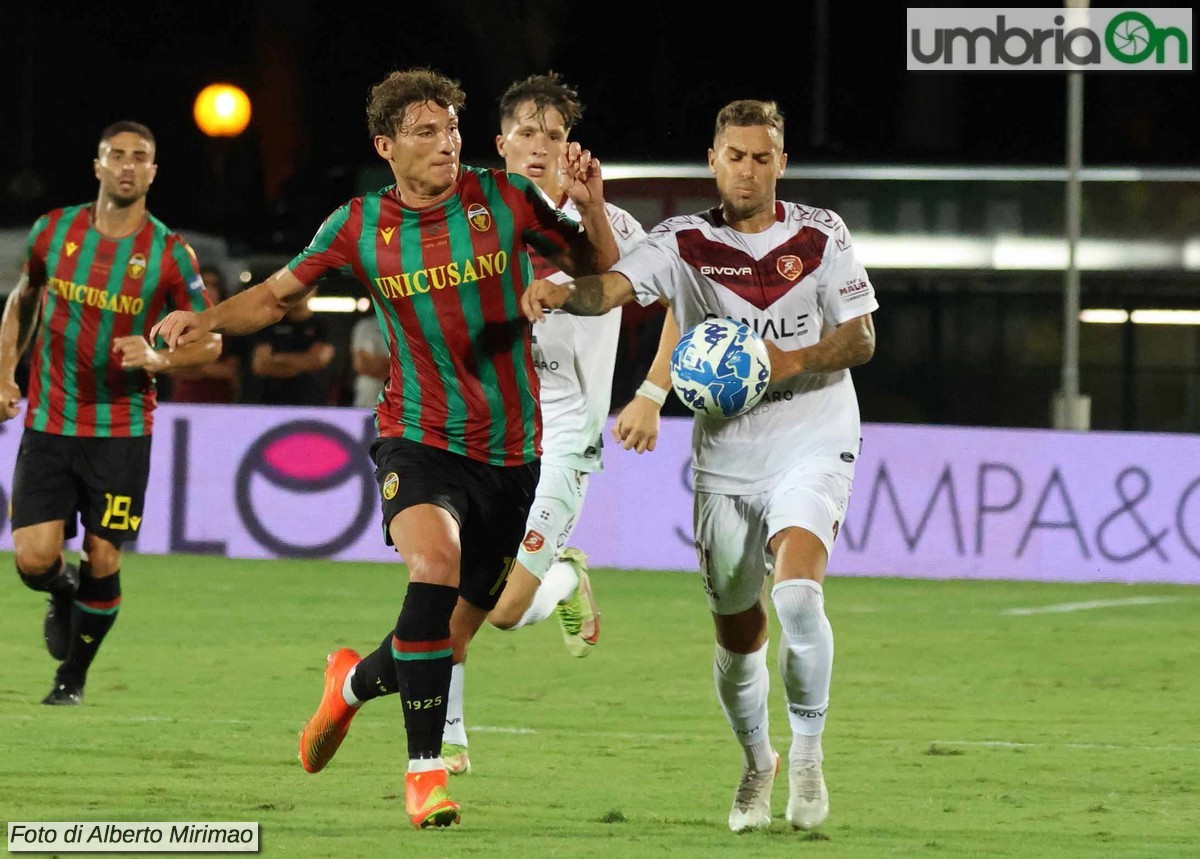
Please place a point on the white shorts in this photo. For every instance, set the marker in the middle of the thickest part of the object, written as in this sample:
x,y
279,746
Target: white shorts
x,y
556,505
732,532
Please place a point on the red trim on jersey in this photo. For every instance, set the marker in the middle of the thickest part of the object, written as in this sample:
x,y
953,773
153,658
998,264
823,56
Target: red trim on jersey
x,y
169,276
435,251
542,267
496,317
56,399
758,282
37,278
350,233
433,402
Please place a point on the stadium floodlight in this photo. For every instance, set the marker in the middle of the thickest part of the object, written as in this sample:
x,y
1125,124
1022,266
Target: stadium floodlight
x,y
333,304
1020,253
1165,317
222,110
1104,316
1150,316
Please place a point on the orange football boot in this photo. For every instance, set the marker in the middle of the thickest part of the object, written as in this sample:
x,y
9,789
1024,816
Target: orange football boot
x,y
327,727
426,800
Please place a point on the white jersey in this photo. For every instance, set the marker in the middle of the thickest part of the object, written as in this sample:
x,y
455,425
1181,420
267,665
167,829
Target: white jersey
x,y
574,356
791,283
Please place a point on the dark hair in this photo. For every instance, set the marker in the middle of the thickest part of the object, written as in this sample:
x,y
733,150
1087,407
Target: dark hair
x,y
393,95
548,90
747,112
127,125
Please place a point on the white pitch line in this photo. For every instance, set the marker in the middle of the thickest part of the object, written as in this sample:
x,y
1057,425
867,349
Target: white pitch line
x,y
1063,608
498,729
1108,747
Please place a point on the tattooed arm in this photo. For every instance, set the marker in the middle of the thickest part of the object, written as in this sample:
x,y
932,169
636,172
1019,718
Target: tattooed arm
x,y
591,295
850,344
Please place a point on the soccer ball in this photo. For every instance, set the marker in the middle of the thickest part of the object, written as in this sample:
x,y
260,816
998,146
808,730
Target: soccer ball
x,y
720,368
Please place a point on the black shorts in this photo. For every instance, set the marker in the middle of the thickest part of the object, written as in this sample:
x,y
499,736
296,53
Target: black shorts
x,y
102,480
490,503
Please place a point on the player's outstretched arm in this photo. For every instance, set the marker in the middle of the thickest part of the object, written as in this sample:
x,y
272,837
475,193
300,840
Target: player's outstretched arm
x,y
850,344
136,353
249,311
638,424
591,295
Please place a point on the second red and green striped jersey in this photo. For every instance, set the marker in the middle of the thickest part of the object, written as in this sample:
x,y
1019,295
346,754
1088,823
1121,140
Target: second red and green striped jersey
x,y
446,283
96,289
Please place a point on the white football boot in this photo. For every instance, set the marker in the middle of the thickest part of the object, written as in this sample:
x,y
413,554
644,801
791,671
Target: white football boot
x,y
808,800
752,799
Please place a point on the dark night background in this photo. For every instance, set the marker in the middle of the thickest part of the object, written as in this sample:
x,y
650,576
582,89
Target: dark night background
x,y
651,76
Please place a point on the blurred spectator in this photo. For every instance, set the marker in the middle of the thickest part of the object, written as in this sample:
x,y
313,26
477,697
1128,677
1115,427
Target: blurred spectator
x,y
290,357
369,359
220,381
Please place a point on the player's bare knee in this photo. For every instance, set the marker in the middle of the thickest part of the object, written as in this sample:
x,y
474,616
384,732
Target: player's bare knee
x,y
503,620
103,557
744,632
34,560
437,565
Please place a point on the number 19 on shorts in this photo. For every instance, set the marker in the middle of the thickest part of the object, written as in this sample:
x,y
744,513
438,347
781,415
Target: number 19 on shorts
x,y
116,513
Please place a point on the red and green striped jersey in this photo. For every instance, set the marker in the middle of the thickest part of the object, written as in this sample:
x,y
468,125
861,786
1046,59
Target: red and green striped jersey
x,y
446,282
97,289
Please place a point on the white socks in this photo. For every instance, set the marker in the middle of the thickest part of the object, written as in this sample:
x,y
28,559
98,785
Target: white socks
x,y
348,690
425,765
560,582
743,683
456,728
805,656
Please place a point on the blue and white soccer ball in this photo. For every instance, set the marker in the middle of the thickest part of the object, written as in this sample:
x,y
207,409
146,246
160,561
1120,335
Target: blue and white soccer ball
x,y
720,368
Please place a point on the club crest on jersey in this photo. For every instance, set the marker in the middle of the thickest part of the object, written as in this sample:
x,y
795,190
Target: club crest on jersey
x,y
479,217
71,248
137,266
387,233
533,542
390,484
790,266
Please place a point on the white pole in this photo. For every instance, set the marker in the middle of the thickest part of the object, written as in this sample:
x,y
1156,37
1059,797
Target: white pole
x,y
1072,411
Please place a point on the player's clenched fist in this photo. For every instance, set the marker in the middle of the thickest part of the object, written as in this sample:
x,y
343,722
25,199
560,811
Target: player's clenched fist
x,y
542,295
178,328
10,400
137,353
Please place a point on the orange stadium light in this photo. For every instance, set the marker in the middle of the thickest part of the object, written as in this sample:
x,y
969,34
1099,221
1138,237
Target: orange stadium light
x,y
222,110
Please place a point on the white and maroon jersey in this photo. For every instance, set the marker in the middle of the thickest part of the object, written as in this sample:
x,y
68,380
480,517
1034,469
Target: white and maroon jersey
x,y
574,356
791,283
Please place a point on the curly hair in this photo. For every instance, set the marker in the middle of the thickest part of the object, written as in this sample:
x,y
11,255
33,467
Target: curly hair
x,y
746,112
392,96
548,90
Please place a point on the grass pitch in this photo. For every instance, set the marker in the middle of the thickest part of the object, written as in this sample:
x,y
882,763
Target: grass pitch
x,y
957,728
